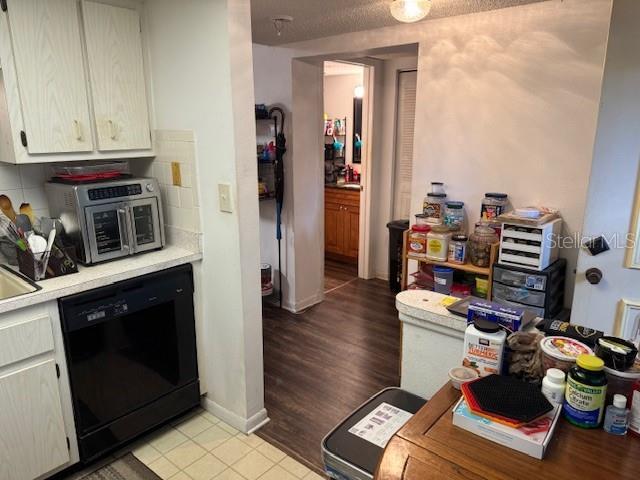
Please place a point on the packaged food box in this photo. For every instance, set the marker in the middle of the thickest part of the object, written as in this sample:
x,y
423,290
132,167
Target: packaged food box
x,y
531,439
509,317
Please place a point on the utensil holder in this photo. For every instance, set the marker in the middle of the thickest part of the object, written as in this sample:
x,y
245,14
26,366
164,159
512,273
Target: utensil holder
x,y
62,261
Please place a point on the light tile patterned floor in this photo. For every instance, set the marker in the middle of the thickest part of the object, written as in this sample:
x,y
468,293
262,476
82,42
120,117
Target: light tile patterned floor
x,y
201,447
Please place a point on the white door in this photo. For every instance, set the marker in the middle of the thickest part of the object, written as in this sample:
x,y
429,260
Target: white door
x,y
614,180
51,77
114,49
403,163
32,434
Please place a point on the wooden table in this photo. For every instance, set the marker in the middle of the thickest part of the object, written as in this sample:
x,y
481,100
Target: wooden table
x,y
430,447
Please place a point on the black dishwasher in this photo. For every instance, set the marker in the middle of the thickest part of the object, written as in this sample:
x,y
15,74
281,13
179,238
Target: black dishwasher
x,y
131,353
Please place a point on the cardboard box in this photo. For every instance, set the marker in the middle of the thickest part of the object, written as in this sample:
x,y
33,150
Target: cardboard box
x,y
509,317
532,439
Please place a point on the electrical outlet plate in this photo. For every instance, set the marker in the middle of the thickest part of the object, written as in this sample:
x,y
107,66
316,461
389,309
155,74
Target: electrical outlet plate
x,y
224,197
176,175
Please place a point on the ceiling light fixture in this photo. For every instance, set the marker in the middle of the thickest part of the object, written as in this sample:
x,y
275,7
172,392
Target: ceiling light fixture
x,y
280,21
409,11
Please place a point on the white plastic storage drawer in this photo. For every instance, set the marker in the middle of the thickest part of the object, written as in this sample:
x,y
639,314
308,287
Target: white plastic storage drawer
x,y
532,247
520,279
520,295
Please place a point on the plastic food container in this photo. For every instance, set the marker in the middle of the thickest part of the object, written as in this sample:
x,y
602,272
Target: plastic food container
x,y
417,240
493,205
562,352
458,249
482,286
460,375
90,168
617,353
433,205
622,382
460,290
443,279
454,216
438,243
422,219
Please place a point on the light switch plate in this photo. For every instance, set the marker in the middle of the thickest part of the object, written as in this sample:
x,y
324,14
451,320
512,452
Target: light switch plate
x,y
224,197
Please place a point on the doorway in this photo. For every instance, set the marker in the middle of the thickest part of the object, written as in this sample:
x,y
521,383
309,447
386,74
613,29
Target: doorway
x,y
343,100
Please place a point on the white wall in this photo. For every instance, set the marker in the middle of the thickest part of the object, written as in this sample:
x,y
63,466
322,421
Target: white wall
x,y
200,60
507,100
614,175
338,103
272,85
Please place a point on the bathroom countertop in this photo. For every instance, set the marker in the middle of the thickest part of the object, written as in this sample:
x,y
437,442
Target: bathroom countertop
x,y
100,275
346,186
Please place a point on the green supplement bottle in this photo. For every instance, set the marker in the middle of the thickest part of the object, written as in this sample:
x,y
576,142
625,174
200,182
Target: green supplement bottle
x,y
584,399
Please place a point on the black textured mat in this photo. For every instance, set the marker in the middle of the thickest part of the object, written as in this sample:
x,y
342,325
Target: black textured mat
x,y
509,398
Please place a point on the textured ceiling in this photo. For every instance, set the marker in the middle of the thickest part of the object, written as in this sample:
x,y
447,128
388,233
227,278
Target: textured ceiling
x,y
323,18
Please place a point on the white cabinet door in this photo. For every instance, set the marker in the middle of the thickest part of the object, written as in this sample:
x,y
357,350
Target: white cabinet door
x,y
114,49
51,77
32,433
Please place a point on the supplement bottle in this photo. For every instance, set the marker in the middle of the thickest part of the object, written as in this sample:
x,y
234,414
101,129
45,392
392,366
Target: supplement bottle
x,y
586,390
553,386
483,347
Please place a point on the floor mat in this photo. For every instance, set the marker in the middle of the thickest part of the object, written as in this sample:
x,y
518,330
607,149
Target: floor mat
x,y
127,467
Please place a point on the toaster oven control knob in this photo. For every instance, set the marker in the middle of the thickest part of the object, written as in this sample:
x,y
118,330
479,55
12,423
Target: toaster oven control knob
x,y
150,187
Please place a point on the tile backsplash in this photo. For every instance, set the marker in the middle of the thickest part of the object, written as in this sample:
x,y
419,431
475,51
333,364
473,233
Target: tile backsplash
x,y
25,184
180,203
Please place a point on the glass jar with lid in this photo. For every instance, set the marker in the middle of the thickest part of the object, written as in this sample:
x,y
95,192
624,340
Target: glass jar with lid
x,y
454,217
479,245
494,204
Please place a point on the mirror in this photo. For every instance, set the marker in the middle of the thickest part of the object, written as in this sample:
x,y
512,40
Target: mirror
x,y
357,130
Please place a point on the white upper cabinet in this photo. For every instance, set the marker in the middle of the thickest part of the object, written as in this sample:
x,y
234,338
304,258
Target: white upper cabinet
x,y
72,82
47,50
114,50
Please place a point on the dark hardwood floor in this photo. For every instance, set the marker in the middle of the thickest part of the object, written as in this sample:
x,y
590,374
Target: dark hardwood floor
x,y
337,274
322,364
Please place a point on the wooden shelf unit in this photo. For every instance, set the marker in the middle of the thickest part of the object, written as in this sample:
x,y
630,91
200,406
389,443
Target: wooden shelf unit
x,y
467,267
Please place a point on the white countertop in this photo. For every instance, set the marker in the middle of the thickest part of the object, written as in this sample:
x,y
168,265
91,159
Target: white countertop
x,y
102,274
425,306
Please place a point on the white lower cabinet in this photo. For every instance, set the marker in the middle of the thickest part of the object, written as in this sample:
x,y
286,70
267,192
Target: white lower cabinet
x,y
37,436
32,431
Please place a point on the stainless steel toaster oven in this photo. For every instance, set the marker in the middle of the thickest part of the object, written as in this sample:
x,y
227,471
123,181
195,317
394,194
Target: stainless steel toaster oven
x,y
109,219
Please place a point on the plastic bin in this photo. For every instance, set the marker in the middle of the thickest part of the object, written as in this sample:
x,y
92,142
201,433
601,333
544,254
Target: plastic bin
x,y
346,454
396,231
443,279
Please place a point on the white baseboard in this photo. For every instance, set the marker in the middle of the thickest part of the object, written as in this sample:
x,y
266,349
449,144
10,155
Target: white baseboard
x,y
382,275
245,425
307,302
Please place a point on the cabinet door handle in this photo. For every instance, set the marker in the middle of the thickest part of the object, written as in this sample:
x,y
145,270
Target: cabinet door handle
x,y
113,130
78,127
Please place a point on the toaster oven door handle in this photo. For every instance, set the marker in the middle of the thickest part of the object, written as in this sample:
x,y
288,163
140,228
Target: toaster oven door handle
x,y
123,225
